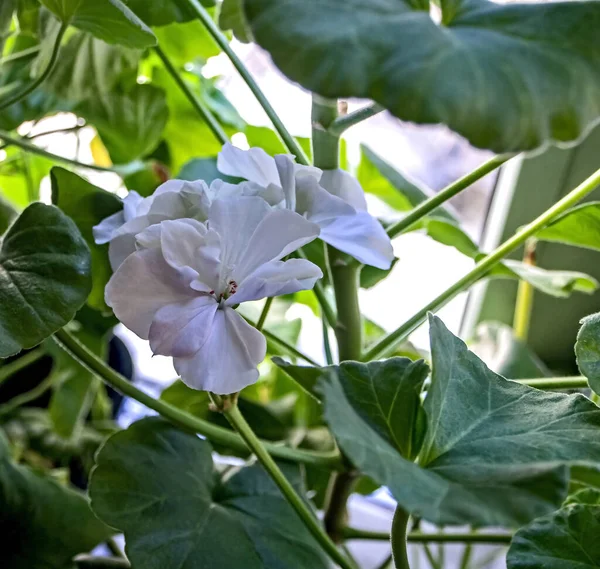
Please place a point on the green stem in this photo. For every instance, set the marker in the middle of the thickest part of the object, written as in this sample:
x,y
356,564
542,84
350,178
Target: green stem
x,y
444,195
22,93
387,563
335,514
222,41
180,418
24,398
341,124
398,538
265,312
326,343
387,344
26,53
232,413
321,295
525,292
27,146
95,562
550,383
200,107
326,146
420,537
466,556
10,369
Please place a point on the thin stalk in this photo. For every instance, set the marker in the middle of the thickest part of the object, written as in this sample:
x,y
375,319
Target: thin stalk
x,y
232,413
387,563
421,537
398,538
321,295
335,513
433,562
326,343
10,369
95,562
342,124
180,418
556,383
26,53
200,107
27,397
114,548
264,313
447,193
387,343
466,556
525,294
27,89
27,146
222,41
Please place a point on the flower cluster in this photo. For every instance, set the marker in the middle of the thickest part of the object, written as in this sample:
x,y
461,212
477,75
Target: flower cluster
x,y
185,257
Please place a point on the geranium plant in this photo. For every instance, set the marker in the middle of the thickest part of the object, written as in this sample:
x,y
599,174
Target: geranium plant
x,y
212,243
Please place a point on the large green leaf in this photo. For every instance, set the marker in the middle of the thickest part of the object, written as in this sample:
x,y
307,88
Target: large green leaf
x,y
108,20
162,12
506,76
495,343
87,205
587,350
130,124
579,226
43,525
567,539
232,17
186,42
90,67
158,485
493,451
44,277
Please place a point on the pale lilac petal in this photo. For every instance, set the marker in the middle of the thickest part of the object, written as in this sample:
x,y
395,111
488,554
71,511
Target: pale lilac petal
x,y
287,176
141,286
254,165
123,242
317,204
272,193
277,278
362,237
180,330
228,359
344,186
132,204
104,231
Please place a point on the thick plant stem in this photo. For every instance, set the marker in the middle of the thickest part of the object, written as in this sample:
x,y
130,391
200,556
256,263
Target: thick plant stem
x,y
343,123
222,41
525,292
232,413
387,343
21,94
335,515
197,103
420,537
178,417
398,537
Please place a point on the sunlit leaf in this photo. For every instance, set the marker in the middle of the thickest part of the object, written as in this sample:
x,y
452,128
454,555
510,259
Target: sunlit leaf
x,y
587,350
579,226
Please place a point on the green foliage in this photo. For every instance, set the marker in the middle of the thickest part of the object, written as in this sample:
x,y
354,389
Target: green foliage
x,y
579,226
566,539
393,57
587,350
157,483
44,277
87,205
43,524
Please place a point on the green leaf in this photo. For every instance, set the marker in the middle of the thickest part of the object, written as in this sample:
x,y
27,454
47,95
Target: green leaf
x,y
108,20
305,376
158,485
587,350
203,169
267,139
449,233
589,496
87,205
130,124
187,42
579,226
476,464
503,76
232,17
43,524
567,539
90,68
162,12
21,175
370,276
495,343
380,179
44,277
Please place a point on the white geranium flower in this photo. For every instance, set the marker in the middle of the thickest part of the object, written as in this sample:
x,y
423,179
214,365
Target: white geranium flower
x,y
175,199
180,288
332,199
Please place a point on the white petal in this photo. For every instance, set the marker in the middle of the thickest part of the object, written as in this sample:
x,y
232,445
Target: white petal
x,y
141,286
132,203
354,232
272,194
181,329
344,186
277,278
254,165
123,241
104,231
252,233
287,176
362,237
228,360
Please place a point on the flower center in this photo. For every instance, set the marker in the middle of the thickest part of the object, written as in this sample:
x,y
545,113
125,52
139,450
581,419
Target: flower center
x,y
230,289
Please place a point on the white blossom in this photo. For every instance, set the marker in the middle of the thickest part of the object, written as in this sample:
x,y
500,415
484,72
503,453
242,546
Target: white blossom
x,y
332,199
180,287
